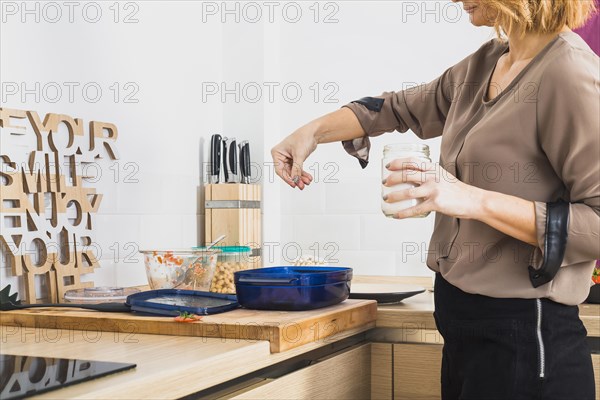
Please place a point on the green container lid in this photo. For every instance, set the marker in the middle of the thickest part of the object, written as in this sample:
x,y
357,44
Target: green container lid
x,y
228,249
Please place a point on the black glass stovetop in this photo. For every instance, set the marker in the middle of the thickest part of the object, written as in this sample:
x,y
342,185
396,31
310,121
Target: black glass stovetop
x,y
22,376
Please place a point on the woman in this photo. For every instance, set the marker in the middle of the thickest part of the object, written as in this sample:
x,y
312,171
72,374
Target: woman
x,y
513,245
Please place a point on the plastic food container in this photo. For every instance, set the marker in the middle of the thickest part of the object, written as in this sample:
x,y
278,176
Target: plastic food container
x,y
180,269
173,302
292,288
231,259
97,295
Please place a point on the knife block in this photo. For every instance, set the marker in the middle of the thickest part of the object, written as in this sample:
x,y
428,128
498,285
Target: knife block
x,y
233,209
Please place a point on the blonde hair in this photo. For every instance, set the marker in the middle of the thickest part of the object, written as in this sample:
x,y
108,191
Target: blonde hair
x,y
539,16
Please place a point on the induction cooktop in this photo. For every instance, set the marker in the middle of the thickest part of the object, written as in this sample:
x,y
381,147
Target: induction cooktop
x,y
23,376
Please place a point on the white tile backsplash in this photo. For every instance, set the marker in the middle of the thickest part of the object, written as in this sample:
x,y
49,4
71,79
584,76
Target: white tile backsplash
x,y
353,196
177,194
413,266
160,231
192,230
141,197
114,232
340,230
367,262
105,275
311,200
131,273
387,234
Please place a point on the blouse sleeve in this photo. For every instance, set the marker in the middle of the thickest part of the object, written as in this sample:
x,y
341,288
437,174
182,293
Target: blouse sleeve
x,y
568,114
422,109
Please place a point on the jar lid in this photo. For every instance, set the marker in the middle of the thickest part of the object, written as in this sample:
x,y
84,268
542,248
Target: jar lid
x,y
228,249
99,294
407,148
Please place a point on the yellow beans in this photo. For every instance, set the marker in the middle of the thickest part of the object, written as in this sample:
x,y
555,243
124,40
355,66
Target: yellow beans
x,y
223,279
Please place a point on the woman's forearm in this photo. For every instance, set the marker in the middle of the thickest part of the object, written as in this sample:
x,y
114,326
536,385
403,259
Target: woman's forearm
x,y
290,154
337,126
511,215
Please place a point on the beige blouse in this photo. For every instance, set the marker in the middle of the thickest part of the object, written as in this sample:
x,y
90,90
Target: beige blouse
x,y
539,140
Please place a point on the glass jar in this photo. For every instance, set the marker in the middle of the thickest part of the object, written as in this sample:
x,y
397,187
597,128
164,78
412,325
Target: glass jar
x,y
393,152
230,260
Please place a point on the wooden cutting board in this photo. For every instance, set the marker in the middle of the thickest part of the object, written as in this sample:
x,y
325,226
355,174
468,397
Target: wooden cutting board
x,y
283,329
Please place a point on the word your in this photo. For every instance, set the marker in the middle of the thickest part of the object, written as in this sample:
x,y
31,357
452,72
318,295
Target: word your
x,y
41,204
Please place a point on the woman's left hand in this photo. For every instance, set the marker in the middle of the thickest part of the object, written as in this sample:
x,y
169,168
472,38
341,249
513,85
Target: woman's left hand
x,y
439,189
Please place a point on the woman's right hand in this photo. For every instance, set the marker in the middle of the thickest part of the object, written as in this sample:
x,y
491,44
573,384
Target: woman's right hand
x,y
290,154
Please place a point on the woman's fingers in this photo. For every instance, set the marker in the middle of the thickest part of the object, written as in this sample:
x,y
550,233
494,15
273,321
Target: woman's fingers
x,y
283,166
297,171
411,163
286,169
306,178
408,194
405,176
419,209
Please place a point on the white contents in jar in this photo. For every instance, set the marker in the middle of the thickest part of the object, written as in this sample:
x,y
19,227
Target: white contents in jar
x,y
393,152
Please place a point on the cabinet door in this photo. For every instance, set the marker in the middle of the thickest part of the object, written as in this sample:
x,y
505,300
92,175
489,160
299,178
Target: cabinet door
x,y
381,371
342,376
417,371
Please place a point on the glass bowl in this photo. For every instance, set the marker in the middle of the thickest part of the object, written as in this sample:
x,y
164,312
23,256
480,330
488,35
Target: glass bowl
x,y
180,269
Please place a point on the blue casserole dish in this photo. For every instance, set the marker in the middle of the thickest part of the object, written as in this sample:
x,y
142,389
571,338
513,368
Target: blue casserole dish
x,y
292,288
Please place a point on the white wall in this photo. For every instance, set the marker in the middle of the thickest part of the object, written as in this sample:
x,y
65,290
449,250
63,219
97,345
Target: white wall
x,y
175,47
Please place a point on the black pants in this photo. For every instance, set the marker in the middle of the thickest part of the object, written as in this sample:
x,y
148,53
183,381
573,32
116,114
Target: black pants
x,y
511,348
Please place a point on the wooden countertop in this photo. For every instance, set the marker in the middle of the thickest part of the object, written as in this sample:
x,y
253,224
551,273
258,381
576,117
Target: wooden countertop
x,y
167,366
417,312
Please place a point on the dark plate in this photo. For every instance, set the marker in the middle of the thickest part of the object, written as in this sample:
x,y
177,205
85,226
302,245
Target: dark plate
x,y
384,293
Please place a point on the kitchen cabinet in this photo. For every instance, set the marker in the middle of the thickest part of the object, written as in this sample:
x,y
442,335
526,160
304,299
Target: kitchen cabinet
x,y
382,375
417,371
405,371
344,375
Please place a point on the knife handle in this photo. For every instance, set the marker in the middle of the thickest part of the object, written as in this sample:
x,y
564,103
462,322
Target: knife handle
x,y
225,172
247,164
242,163
233,158
215,157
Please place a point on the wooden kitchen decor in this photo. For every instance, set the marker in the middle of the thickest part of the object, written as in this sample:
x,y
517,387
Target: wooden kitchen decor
x,y
47,206
283,329
233,209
